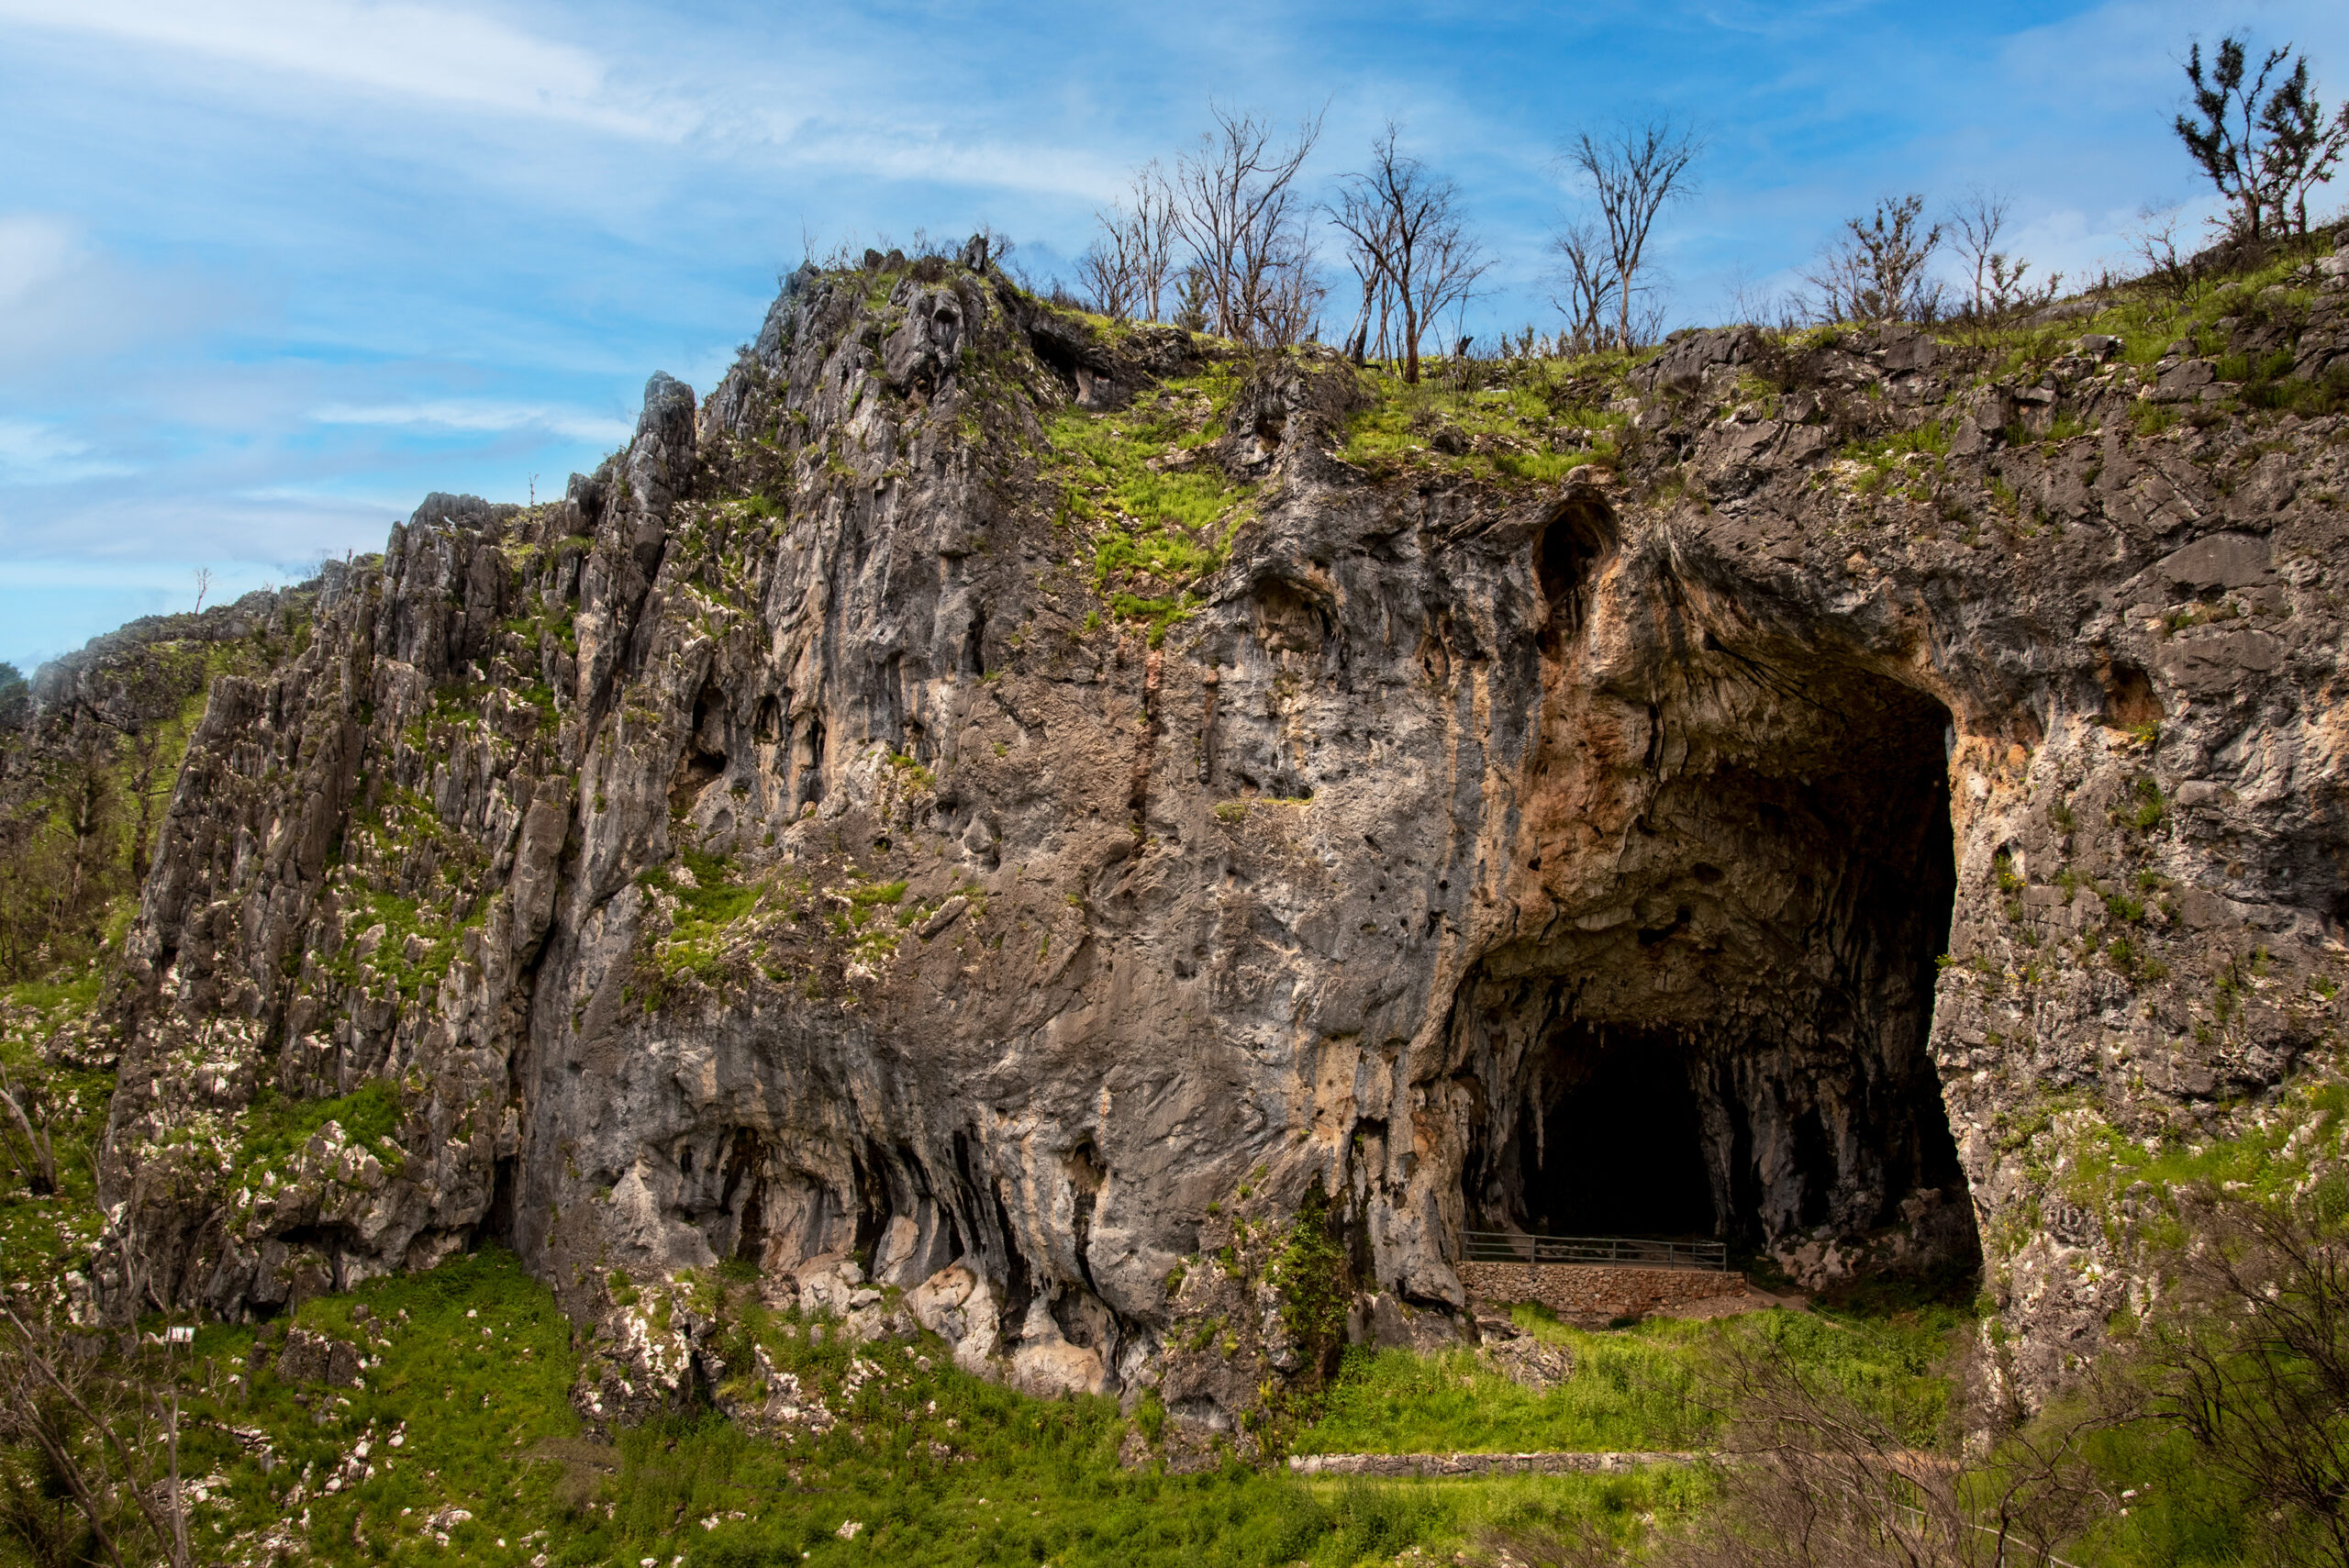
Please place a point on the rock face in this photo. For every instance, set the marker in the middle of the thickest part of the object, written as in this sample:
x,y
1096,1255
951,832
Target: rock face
x,y
794,846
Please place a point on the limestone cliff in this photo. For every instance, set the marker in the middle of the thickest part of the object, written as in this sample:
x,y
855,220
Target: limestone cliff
x,y
1029,803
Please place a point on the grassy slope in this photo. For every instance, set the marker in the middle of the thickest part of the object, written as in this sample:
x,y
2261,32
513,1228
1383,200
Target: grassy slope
x,y
1631,1389
930,1465
42,1239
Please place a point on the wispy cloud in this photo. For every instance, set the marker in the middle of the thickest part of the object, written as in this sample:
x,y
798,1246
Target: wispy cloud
x,y
33,453
65,303
35,250
453,415
814,117
422,51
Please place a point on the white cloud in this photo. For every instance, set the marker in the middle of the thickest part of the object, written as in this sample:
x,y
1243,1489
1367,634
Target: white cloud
x,y
65,303
828,111
929,153
34,250
573,424
33,453
409,49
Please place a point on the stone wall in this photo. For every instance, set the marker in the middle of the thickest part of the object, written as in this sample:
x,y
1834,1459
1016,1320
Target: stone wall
x,y
1400,1464
1598,1290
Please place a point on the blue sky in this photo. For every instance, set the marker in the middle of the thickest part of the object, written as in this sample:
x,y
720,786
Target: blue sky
x,y
271,269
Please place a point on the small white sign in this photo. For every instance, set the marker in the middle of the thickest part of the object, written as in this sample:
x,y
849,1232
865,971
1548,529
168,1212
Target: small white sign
x,y
182,1335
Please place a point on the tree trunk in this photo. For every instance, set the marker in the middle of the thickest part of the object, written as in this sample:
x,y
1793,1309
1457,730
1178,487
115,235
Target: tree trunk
x,y
41,1174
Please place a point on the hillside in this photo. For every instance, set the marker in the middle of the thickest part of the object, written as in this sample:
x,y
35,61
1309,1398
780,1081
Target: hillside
x,y
1095,856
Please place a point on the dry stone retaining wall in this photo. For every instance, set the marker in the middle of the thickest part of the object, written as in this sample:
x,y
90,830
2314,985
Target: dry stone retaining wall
x,y
1608,1464
1598,1290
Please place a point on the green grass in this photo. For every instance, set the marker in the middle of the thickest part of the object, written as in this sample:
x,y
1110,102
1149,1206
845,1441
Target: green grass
x,y
1635,1390
2272,1156
712,900
46,996
401,918
1150,531
928,1464
1929,438
277,1128
479,1372
2148,322
1535,426
863,901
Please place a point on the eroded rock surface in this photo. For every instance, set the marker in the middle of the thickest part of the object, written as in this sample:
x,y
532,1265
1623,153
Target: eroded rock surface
x,y
786,849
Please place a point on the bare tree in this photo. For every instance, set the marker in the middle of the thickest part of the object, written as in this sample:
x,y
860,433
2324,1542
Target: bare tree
x,y
2255,1368
102,1434
1999,280
1404,222
1107,280
1877,271
203,587
1363,224
1243,219
1587,284
1978,218
1813,1478
2262,149
1635,169
38,1161
2156,244
1126,269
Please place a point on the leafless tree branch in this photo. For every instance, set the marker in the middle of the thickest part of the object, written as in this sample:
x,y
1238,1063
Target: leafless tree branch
x,y
1406,242
1635,169
1125,271
1876,272
1243,219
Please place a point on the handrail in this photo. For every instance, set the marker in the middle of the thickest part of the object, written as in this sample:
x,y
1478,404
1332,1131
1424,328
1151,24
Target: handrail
x,y
1629,1251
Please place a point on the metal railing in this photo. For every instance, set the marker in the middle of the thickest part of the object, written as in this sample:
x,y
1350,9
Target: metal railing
x,y
1628,1252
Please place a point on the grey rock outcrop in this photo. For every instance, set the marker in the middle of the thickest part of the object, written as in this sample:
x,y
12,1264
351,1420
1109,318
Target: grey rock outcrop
x,y
771,853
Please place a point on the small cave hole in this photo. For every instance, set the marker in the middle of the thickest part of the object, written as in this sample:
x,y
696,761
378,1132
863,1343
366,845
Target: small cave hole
x,y
704,755
742,1194
2129,699
1563,559
974,645
808,764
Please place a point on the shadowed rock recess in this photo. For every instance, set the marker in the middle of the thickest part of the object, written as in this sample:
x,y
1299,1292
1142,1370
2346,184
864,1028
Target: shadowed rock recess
x,y
807,848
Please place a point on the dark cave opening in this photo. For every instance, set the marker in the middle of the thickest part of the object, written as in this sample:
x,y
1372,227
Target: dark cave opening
x,y
1728,1040
1620,1150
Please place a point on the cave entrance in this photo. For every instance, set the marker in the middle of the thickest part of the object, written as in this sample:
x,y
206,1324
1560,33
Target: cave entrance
x,y
1619,1146
1721,1030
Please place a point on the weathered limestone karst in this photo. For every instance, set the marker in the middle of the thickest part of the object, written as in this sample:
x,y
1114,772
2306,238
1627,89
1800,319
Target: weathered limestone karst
x,y
785,848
